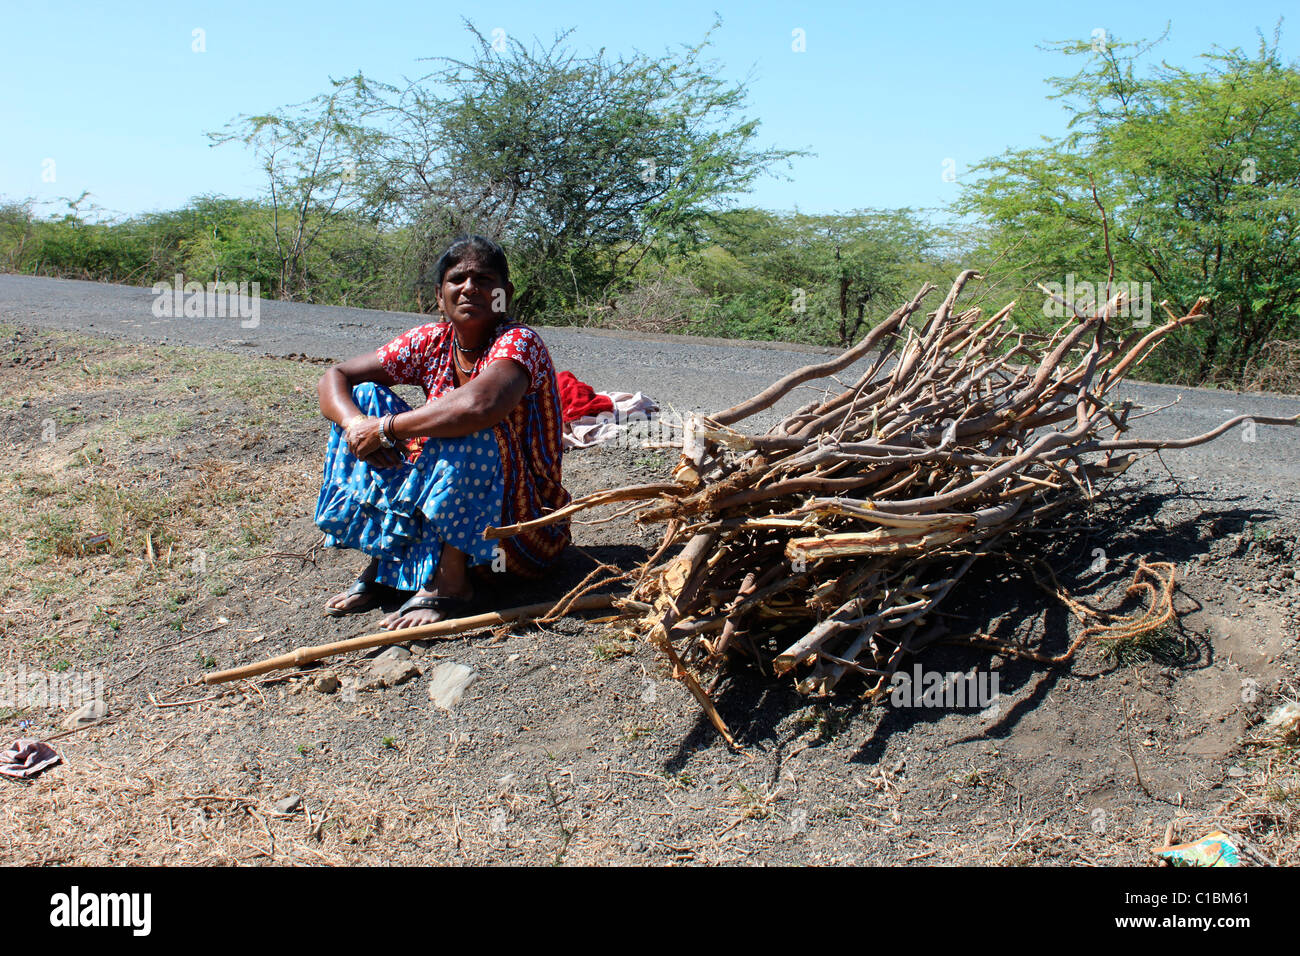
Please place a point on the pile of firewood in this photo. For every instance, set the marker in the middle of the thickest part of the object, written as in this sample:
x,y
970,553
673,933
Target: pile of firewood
x,y
822,546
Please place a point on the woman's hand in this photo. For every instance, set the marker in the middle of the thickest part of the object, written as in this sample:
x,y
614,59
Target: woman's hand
x,y
364,442
335,393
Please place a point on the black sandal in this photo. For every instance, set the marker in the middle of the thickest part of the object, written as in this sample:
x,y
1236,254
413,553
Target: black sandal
x,y
373,589
449,607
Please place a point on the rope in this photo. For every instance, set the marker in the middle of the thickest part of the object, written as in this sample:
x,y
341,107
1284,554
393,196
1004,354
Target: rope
x,y
1154,580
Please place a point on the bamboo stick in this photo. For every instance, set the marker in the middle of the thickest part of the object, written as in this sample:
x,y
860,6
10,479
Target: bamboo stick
x,y
305,655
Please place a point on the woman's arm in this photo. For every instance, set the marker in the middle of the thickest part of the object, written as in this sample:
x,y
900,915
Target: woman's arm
x,y
480,403
335,387
334,390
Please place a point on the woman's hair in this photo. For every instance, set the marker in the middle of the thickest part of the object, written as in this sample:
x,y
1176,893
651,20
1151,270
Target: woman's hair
x,y
480,248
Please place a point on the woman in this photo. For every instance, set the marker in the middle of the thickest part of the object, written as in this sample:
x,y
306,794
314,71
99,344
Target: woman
x,y
483,450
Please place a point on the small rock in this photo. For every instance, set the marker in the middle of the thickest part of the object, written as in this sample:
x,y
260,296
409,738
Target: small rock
x,y
1237,772
288,805
449,683
389,673
86,714
394,652
327,683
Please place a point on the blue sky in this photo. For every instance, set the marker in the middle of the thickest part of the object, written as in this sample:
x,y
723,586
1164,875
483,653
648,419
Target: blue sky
x,y
883,94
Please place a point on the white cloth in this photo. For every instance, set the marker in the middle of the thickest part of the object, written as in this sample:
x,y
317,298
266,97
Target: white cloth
x,y
597,429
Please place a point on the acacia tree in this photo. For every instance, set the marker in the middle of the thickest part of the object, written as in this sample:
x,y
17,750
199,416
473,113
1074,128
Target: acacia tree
x,y
819,278
866,257
311,153
582,165
1199,173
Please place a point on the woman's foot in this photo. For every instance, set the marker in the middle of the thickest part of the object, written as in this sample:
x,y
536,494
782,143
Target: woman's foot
x,y
428,606
446,596
364,594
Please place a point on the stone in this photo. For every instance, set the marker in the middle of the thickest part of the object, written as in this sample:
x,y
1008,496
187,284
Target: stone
x,y
88,713
288,805
449,683
389,673
327,683
394,652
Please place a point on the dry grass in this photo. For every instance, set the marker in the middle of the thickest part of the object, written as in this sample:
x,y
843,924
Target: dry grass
x,y
1265,812
89,814
89,524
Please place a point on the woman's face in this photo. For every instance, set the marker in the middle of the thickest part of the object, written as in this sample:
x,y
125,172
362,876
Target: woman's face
x,y
473,297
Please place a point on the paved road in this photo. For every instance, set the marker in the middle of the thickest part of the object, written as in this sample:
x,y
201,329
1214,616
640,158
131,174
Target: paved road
x,y
688,373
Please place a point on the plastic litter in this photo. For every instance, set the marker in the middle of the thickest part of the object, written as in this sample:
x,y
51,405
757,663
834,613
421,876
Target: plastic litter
x,y
1213,849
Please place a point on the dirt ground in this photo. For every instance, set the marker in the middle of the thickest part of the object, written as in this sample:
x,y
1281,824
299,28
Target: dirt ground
x,y
157,525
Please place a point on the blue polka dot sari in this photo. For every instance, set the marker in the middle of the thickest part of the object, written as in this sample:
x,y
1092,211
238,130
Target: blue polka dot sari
x,y
404,515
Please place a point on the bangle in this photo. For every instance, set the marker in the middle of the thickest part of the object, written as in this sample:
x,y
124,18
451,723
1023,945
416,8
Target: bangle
x,y
385,432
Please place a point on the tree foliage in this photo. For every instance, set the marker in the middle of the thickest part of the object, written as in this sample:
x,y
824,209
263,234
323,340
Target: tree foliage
x,y
811,278
612,183
1199,174
581,165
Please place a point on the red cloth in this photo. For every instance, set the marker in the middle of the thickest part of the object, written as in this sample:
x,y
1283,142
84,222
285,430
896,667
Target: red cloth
x,y
578,399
